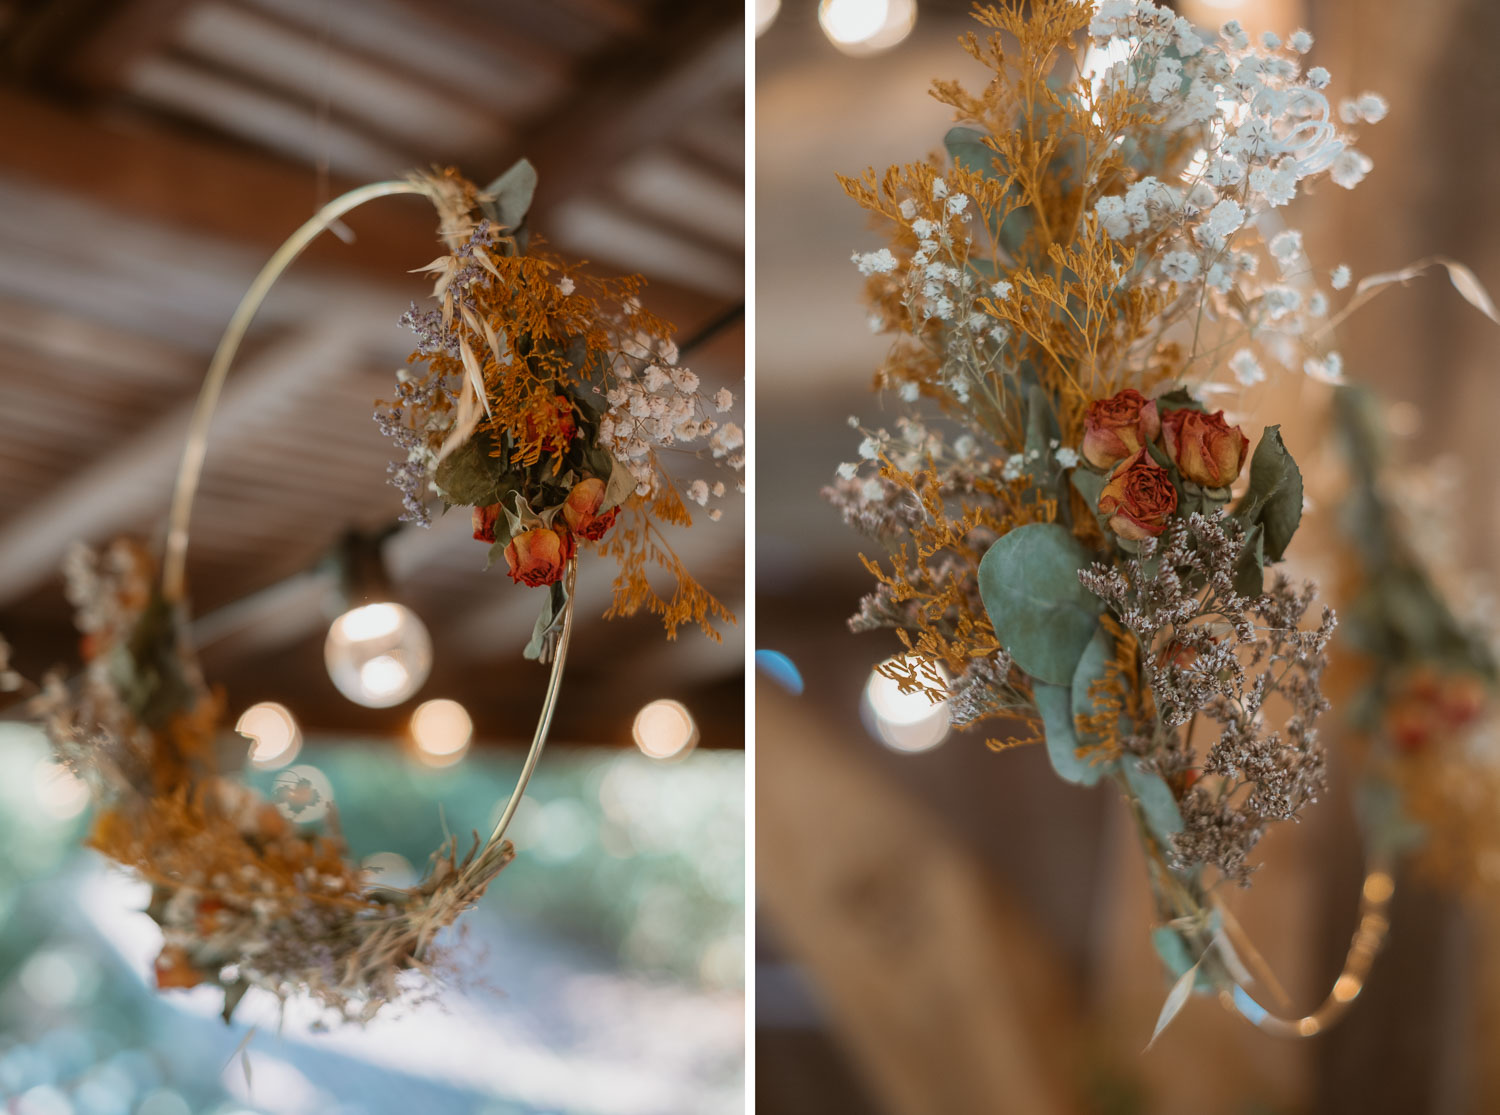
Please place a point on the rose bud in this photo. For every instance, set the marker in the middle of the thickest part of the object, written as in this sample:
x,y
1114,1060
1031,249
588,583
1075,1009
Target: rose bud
x,y
484,522
1462,699
581,510
1206,449
552,419
538,556
174,969
1115,428
1138,498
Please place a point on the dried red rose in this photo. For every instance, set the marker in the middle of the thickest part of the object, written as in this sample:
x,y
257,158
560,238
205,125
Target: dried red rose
x,y
1138,498
581,510
1206,449
484,522
538,557
1116,427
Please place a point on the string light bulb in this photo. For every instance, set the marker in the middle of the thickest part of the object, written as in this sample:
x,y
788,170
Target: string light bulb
x,y
378,653
664,730
442,730
864,27
907,722
273,732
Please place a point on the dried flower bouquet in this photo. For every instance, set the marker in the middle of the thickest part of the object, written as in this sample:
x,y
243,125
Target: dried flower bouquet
x,y
1077,543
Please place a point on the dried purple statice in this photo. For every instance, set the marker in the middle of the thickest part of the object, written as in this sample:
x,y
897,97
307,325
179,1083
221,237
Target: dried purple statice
x,y
1210,652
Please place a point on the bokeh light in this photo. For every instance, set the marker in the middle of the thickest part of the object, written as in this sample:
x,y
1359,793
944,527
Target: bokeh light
x,y
303,794
907,722
60,793
378,655
664,730
442,731
766,12
274,734
862,27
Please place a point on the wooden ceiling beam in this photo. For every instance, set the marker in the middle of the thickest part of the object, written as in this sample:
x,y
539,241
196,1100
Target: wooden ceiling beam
x,y
147,174
637,95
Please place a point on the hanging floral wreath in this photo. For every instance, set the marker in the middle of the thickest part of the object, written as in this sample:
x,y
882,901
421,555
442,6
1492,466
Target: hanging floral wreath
x,y
544,399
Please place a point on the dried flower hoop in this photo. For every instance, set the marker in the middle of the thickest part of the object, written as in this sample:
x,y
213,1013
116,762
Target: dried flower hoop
x,y
190,470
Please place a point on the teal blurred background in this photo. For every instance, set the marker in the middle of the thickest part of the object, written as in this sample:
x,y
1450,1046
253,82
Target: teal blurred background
x,y
602,973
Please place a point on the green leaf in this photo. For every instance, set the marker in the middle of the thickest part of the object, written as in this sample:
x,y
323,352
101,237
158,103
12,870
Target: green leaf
x,y
1070,767
1055,703
618,488
966,147
470,477
1090,486
507,199
1042,616
1155,799
1249,570
1179,399
1274,498
548,624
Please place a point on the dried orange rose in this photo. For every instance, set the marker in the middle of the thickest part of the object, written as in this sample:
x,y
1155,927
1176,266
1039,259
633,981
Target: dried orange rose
x,y
1116,427
538,557
1138,498
581,510
483,519
175,970
1206,449
1430,708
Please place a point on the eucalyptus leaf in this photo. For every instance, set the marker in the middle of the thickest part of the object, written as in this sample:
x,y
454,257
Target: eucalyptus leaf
x,y
1274,498
1155,798
966,147
1055,703
1090,485
507,199
1179,399
1043,617
1070,767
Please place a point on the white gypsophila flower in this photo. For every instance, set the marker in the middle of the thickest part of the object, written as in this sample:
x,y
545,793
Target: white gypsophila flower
x,y
1301,41
923,228
565,285
1235,35
872,490
909,392
1111,214
1180,267
1224,219
1000,289
939,189
1286,246
1350,167
1318,77
881,262
875,323
908,209
718,489
1270,40
1014,467
1068,458
1166,81
1317,305
1340,277
1246,368
957,204
1328,369
723,400
698,493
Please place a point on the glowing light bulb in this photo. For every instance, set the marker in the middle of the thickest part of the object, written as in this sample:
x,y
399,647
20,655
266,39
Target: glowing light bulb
x,y
766,12
442,731
61,794
664,730
861,27
273,730
378,655
903,721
